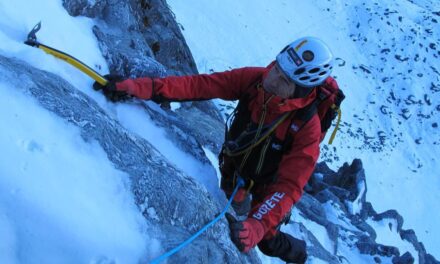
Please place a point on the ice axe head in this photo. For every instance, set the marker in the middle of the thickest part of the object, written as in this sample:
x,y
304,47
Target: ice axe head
x,y
32,37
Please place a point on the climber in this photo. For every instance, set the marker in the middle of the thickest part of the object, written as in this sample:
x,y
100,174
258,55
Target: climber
x,y
270,143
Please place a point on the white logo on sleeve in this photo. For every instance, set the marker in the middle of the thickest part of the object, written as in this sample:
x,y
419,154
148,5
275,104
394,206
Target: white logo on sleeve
x,y
268,205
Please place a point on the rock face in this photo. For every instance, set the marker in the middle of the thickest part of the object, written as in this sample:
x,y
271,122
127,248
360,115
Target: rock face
x,y
142,38
329,194
148,26
151,174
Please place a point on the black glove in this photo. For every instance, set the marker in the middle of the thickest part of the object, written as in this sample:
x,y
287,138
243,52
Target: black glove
x,y
109,90
245,234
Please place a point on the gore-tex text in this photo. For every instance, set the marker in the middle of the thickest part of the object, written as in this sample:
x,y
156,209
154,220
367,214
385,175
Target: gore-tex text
x,y
268,205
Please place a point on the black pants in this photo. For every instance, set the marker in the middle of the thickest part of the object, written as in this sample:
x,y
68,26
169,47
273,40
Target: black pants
x,y
285,247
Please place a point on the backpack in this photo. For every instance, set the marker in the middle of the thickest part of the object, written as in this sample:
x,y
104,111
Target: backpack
x,y
327,106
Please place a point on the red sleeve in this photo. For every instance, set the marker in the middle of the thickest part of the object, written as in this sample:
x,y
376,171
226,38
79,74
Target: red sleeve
x,y
228,85
295,170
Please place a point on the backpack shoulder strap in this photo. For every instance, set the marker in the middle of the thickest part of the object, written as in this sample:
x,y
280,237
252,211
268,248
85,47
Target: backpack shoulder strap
x,y
298,121
304,115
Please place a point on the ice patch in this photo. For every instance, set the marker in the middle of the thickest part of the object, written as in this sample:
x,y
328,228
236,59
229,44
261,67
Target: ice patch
x,y
355,207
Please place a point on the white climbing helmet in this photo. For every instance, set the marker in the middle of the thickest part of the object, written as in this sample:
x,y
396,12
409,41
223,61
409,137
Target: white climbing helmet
x,y
307,61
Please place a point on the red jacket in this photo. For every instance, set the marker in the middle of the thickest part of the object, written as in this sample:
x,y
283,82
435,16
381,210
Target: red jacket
x,y
296,165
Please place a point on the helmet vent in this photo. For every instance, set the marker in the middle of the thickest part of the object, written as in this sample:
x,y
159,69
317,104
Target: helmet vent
x,y
314,70
299,71
314,80
327,65
322,73
304,78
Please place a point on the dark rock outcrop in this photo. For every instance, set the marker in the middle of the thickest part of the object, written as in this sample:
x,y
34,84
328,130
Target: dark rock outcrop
x,y
349,177
367,246
390,214
329,194
142,38
406,258
150,25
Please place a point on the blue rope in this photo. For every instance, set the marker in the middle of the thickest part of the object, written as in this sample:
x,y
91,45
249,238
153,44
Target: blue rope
x,y
240,182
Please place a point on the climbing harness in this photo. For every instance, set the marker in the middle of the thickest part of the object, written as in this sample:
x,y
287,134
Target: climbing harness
x,y
257,140
240,183
32,41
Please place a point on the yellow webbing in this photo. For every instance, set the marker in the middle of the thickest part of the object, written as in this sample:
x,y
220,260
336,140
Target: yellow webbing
x,y
332,137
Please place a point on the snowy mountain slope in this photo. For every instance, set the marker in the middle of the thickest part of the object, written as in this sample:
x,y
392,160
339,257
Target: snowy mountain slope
x,y
390,76
59,195
40,149
160,221
163,217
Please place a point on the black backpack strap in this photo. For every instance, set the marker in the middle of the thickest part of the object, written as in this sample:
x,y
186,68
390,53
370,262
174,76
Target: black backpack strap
x,y
306,113
299,120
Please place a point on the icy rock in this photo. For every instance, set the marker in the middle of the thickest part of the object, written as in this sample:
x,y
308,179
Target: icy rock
x,y
84,7
315,249
315,183
406,258
348,178
127,55
390,214
143,39
155,179
341,188
368,246
312,209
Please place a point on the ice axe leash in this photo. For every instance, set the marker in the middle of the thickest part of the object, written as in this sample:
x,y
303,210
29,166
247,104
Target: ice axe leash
x,y
33,42
240,183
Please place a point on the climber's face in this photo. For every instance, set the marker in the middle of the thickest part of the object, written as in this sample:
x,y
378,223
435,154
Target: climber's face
x,y
277,83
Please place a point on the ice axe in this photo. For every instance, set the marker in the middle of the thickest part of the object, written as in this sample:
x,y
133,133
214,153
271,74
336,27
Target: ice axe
x,y
33,42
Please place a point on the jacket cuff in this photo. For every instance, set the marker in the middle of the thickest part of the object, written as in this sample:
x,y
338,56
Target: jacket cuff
x,y
141,87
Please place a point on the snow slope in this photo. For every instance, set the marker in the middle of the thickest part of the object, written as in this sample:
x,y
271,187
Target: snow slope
x,y
59,195
61,200
383,88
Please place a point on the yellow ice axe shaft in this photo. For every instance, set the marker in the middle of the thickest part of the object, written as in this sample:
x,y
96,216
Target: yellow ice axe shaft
x,y
32,41
74,62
